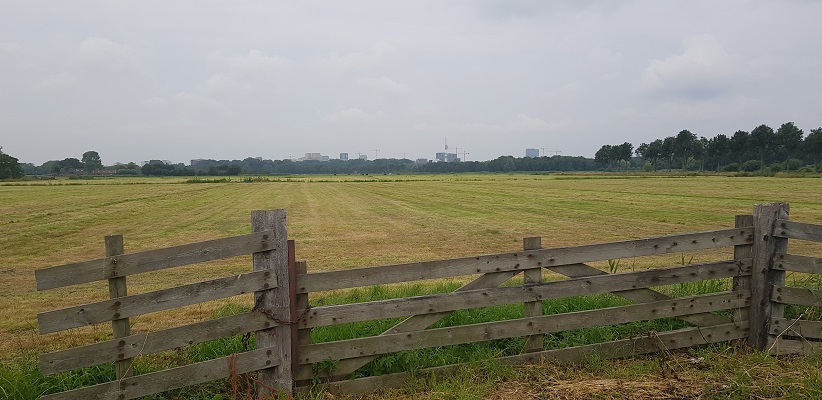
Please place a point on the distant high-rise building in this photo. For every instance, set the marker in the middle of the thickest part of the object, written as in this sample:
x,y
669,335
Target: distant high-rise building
x,y
532,153
421,161
447,157
363,157
313,156
325,158
344,156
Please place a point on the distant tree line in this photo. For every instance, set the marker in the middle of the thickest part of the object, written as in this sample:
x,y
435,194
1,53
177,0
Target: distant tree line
x,y
88,163
9,166
786,148
280,167
618,156
256,166
358,166
510,163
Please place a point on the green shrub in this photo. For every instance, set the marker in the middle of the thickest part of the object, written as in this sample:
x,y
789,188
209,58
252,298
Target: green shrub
x,y
794,164
751,165
732,167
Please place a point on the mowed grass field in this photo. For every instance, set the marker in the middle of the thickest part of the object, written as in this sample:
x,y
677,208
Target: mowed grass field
x,y
343,222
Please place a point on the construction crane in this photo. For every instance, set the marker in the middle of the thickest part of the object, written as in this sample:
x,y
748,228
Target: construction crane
x,y
403,154
463,152
376,153
550,151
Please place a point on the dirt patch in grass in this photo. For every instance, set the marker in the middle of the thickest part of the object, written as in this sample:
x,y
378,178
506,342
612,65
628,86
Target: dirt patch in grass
x,y
601,389
716,372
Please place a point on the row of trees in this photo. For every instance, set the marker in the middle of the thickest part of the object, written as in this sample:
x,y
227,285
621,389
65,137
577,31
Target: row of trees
x,y
88,163
266,167
786,146
510,163
611,155
357,166
9,166
160,168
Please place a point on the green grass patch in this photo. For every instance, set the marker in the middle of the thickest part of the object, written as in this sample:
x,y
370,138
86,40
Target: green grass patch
x,y
414,360
479,376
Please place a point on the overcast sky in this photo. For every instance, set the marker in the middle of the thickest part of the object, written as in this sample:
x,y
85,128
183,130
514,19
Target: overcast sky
x,y
177,80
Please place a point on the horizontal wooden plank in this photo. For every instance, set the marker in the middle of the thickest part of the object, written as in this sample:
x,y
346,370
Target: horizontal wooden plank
x,y
130,306
414,323
799,296
153,260
637,295
520,260
617,349
520,327
790,262
783,346
651,342
152,342
799,328
161,381
798,230
437,303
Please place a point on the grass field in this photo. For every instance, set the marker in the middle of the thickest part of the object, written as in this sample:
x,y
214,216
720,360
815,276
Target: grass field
x,y
345,222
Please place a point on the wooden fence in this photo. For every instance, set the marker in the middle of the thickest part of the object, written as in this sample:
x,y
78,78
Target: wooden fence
x,y
282,317
272,268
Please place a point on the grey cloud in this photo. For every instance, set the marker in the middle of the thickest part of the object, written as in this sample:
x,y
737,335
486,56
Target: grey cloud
x,y
385,85
59,81
703,70
377,55
173,80
347,115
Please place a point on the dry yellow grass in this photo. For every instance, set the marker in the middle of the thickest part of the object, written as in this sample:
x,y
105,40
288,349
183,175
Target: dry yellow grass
x,y
346,222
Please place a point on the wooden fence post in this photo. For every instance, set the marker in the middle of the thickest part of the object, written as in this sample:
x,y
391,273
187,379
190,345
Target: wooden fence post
x,y
303,335
292,305
533,343
764,277
117,288
274,302
742,284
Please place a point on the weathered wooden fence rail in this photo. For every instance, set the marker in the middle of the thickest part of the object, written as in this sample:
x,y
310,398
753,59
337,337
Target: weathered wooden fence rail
x,y
794,336
282,317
